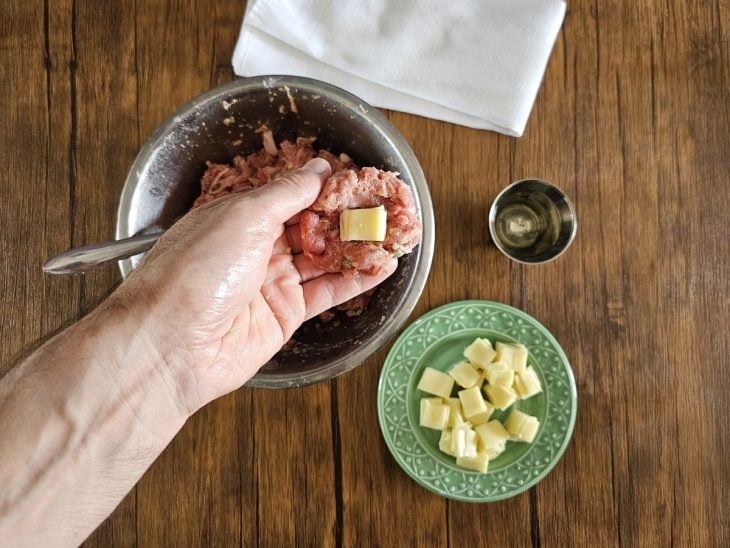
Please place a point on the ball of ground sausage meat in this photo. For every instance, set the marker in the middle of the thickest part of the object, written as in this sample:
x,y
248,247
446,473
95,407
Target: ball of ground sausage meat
x,y
350,189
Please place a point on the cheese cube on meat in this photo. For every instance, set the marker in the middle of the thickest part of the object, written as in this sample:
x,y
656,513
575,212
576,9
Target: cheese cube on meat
x,y
367,225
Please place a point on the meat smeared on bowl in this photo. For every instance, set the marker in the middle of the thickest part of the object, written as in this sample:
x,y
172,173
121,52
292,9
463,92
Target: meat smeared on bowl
x,y
348,187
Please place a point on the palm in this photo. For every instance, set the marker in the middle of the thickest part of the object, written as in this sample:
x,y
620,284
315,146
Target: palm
x,y
259,330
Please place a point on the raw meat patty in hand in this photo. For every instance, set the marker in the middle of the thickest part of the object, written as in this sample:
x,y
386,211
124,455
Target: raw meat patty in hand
x,y
350,189
345,189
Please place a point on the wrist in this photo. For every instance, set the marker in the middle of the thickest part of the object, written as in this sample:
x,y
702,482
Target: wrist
x,y
103,408
175,339
144,360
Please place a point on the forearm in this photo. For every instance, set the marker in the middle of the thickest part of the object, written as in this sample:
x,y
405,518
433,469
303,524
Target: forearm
x,y
80,422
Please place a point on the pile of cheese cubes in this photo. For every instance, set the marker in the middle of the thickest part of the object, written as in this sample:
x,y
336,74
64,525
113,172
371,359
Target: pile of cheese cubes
x,y
502,374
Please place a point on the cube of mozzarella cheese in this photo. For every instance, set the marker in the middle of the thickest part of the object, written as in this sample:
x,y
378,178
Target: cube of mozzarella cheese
x,y
457,436
367,225
436,382
500,373
481,418
495,451
521,426
519,387
501,397
529,430
519,357
492,434
465,375
455,414
479,463
470,447
445,442
473,404
527,383
463,440
505,352
513,354
434,413
480,353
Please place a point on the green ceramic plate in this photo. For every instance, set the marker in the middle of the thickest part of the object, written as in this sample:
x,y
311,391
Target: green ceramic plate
x,y
437,340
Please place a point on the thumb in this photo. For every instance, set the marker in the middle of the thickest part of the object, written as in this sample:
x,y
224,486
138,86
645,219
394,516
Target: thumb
x,y
289,194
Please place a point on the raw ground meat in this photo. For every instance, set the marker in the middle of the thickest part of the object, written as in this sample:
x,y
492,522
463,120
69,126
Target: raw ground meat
x,y
353,307
260,167
351,189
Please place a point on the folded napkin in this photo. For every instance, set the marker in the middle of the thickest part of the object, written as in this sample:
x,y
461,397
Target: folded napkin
x,y
477,63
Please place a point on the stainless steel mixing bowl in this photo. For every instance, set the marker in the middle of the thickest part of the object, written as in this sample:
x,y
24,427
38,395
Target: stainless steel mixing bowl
x,y
165,179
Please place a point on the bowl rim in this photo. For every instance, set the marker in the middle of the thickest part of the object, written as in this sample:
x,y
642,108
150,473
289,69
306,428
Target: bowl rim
x,y
308,85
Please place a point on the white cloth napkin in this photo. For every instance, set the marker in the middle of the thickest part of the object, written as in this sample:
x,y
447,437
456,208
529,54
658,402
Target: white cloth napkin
x,y
477,63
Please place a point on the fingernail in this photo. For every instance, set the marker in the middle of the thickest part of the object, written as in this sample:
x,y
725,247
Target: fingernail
x,y
318,166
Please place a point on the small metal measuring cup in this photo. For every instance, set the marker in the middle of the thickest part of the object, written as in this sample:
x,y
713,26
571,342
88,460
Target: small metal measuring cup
x,y
532,221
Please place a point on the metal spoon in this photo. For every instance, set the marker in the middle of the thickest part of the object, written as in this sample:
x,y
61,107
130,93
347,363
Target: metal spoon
x,y
81,259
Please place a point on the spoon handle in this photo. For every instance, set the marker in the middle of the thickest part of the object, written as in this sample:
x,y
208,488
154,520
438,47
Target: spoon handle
x,y
81,259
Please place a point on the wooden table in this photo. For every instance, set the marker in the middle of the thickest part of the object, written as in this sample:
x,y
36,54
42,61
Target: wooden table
x,y
631,120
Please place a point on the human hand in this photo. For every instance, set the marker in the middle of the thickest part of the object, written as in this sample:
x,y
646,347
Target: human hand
x,y
227,285
89,411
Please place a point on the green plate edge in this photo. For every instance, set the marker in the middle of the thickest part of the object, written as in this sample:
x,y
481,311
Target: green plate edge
x,y
500,488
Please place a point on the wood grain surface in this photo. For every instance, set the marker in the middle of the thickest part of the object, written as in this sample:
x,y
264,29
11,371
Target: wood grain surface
x,y
632,120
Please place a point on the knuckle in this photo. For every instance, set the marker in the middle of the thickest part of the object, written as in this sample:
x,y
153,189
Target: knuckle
x,y
294,181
